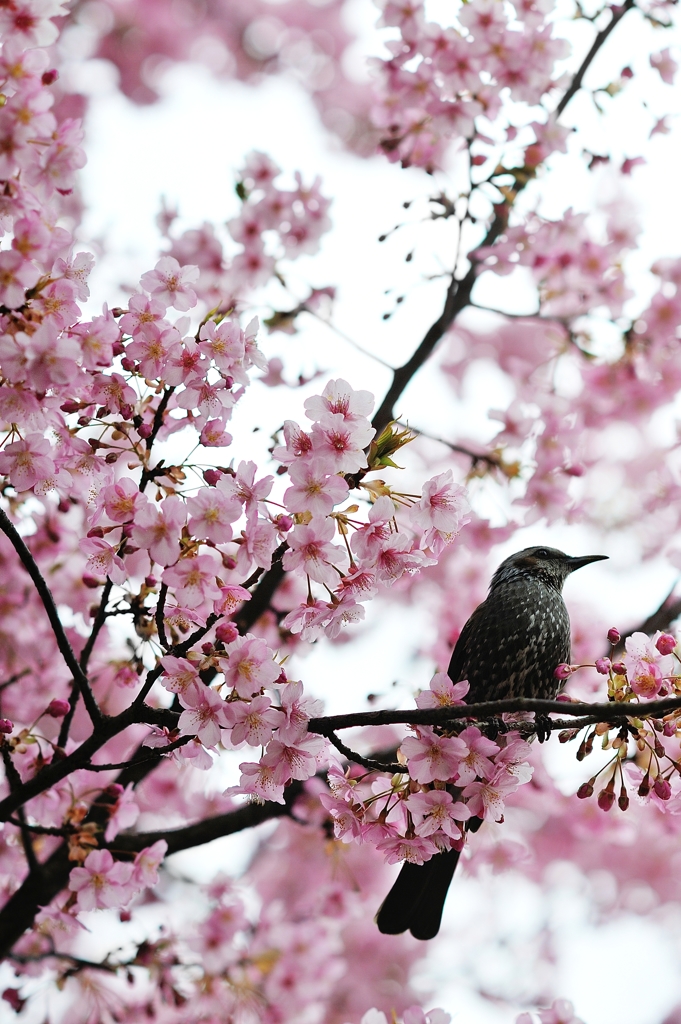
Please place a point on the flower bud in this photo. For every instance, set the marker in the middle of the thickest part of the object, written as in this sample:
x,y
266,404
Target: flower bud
x,y
284,524
665,643
623,799
150,581
144,430
6,726
669,728
619,668
644,788
606,797
614,636
562,671
603,665
226,632
662,788
90,581
586,790
57,708
49,77
211,476
207,647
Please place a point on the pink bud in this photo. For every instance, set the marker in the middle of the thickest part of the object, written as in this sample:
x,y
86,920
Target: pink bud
x,y
662,788
665,643
150,581
627,72
144,430
207,648
226,632
211,476
128,364
114,789
478,159
585,790
563,671
48,77
614,636
603,665
284,523
669,728
6,726
619,668
57,708
92,582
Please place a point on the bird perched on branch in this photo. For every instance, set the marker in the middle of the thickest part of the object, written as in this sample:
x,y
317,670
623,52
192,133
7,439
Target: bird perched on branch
x,y
510,647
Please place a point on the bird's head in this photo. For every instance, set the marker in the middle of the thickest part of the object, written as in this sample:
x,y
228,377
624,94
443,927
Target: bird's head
x,y
547,564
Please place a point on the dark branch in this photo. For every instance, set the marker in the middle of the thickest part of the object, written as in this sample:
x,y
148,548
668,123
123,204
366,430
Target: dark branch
x,y
41,586
617,13
599,712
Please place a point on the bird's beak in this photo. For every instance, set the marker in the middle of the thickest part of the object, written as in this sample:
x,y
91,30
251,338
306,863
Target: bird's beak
x,y
577,563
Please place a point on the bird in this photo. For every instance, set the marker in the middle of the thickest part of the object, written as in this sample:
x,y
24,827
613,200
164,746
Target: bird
x,y
509,647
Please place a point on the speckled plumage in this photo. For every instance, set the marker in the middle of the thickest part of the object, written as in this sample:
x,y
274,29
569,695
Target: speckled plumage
x,y
509,647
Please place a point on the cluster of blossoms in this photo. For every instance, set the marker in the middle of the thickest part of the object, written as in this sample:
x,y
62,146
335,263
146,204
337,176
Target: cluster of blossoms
x,y
438,80
645,750
448,779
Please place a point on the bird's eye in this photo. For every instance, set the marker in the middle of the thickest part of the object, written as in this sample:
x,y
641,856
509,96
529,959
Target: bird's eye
x,y
541,553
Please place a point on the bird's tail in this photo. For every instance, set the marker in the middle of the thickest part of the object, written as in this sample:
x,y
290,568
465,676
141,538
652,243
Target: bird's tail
x,y
417,898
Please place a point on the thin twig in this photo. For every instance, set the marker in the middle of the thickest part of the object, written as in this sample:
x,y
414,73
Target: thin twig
x,y
366,762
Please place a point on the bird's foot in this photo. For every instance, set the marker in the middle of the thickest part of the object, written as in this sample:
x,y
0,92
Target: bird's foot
x,y
542,724
495,727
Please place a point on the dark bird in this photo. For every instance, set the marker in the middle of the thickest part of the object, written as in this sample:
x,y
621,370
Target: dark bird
x,y
510,647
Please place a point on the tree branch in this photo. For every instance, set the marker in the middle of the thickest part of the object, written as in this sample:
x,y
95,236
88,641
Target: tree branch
x,y
50,607
442,716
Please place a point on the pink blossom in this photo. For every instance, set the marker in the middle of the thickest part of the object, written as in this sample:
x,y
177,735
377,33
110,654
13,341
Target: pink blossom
x,y
416,851
214,435
316,489
441,511
442,692
645,664
158,529
431,757
342,613
665,65
205,716
169,283
211,398
435,811
259,780
211,513
486,799
147,862
245,488
16,275
179,675
398,556
338,398
342,441
298,444
249,665
141,312
193,580
253,721
297,760
230,598
367,541
153,349
297,711
224,344
311,552
103,560
27,462
306,619
477,761
101,882
120,501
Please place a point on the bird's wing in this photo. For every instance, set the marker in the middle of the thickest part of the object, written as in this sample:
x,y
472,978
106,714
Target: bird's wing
x,y
459,659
